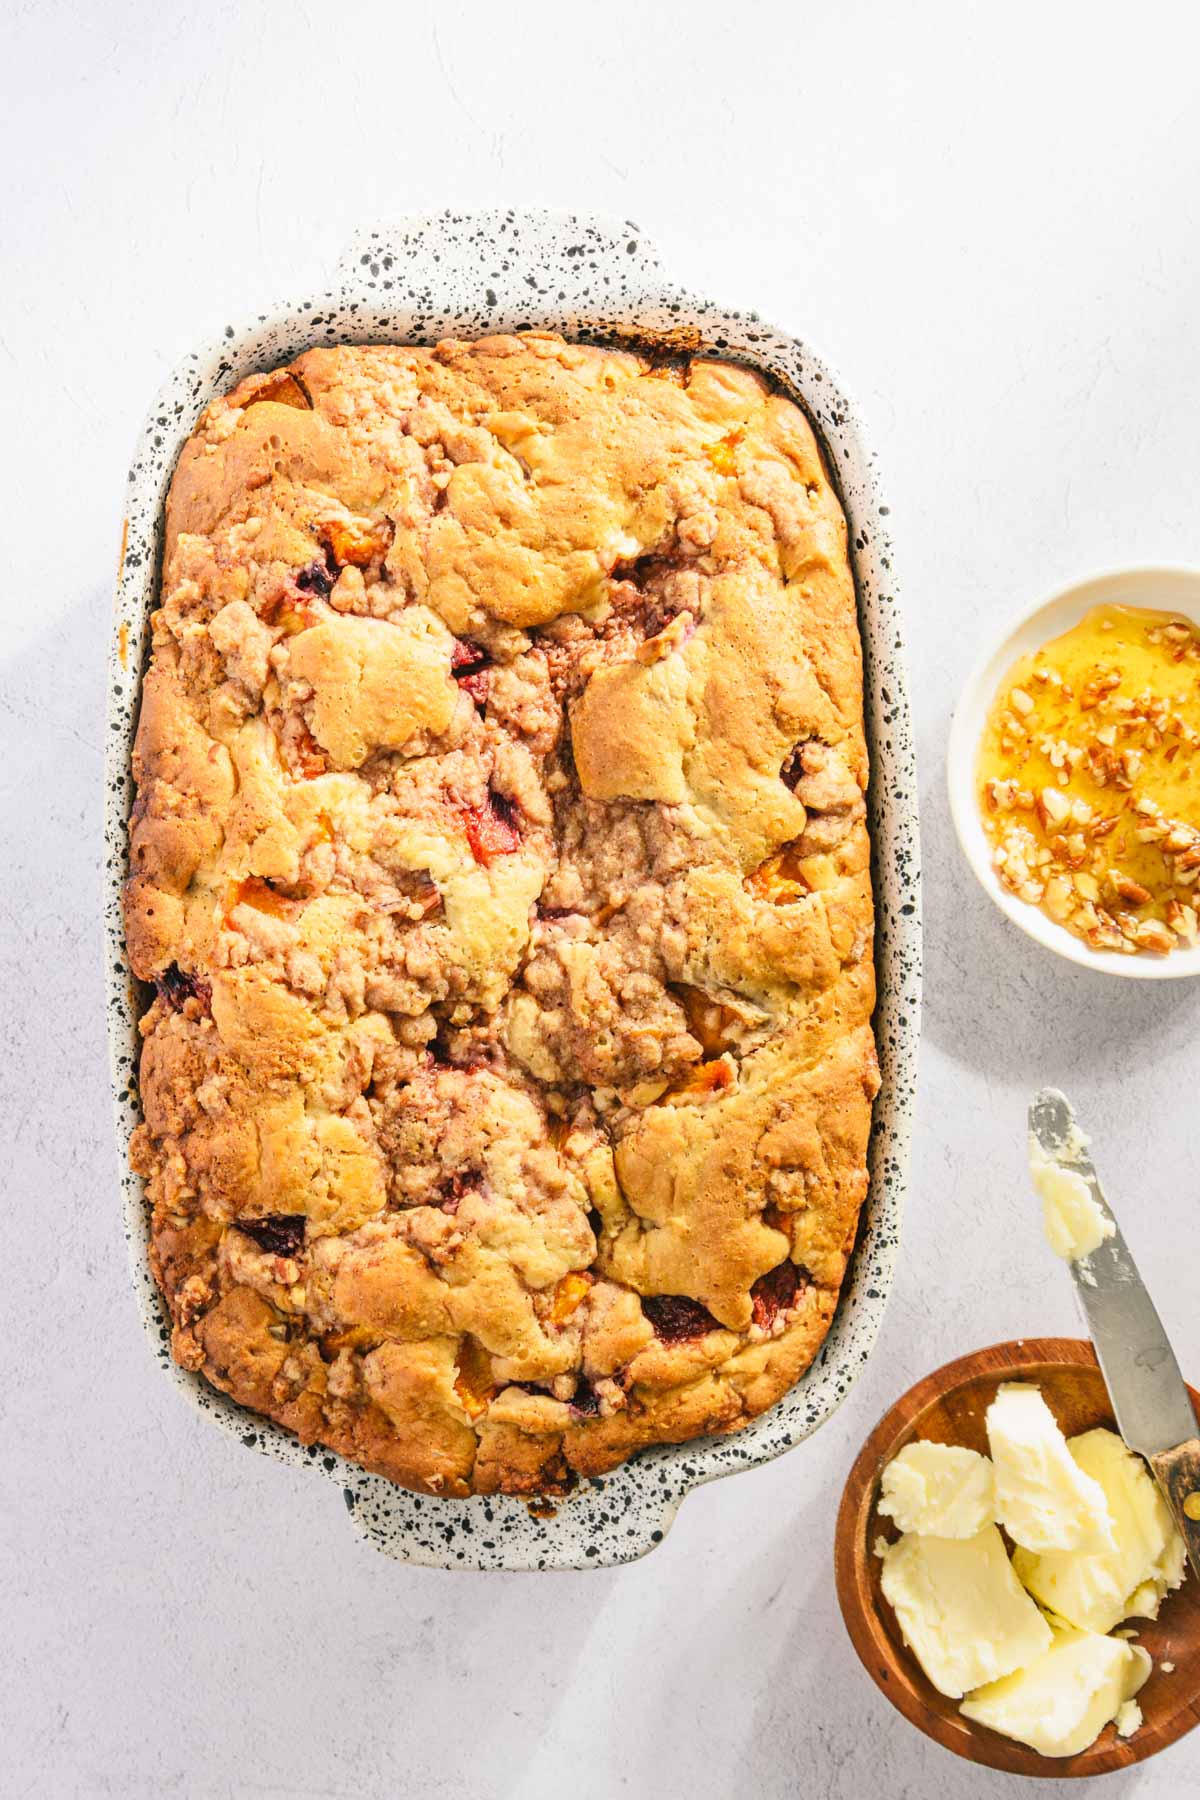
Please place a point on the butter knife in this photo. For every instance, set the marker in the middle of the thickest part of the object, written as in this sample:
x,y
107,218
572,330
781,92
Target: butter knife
x,y
1151,1403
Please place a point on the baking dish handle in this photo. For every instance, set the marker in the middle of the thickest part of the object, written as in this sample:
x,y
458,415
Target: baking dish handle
x,y
504,261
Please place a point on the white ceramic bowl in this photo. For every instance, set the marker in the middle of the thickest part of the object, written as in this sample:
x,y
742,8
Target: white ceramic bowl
x,y
598,280
1166,588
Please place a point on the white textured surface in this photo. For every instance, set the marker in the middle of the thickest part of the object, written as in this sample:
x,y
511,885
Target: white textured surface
x,y
987,219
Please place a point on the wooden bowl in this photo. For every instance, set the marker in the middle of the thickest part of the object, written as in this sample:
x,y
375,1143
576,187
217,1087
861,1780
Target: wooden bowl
x,y
948,1407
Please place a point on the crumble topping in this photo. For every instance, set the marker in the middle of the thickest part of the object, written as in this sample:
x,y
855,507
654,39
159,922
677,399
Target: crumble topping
x,y
500,870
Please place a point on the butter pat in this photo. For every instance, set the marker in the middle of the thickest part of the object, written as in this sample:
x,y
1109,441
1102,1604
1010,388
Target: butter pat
x,y
1060,1703
941,1490
1074,1223
1044,1499
964,1614
1095,1592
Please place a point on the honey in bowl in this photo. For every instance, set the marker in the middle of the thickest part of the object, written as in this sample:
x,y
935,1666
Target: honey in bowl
x,y
1087,780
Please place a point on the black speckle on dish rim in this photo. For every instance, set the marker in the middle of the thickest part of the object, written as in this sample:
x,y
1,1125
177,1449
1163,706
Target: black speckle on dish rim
x,y
596,282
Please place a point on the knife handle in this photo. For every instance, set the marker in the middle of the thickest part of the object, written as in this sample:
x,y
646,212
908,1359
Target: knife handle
x,y
1178,1475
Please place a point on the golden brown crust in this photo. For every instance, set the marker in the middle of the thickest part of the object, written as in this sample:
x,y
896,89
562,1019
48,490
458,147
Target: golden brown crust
x,y
500,861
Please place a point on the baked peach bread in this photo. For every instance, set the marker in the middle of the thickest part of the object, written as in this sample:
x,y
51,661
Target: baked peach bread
x,y
500,867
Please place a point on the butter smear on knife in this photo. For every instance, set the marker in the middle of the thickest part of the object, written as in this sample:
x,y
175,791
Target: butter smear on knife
x,y
1075,1223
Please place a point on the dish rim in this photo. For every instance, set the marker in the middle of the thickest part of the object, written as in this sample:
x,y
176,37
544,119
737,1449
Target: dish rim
x,y
603,282
1048,617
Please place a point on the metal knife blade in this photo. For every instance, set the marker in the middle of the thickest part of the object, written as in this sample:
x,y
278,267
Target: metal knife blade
x,y
1151,1403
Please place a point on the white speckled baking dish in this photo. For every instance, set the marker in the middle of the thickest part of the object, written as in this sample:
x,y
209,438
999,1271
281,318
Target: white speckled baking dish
x,y
597,279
